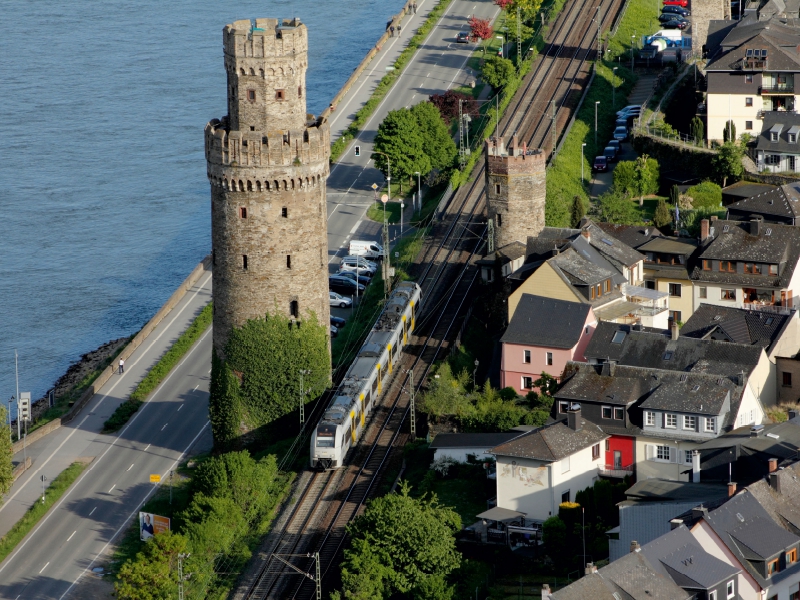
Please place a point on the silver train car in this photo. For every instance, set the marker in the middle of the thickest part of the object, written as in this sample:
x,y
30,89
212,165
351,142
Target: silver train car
x,y
344,420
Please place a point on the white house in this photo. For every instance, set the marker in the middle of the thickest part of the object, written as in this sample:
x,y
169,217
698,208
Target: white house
x,y
461,446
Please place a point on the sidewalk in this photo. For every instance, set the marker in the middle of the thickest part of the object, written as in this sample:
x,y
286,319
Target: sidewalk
x,y
56,451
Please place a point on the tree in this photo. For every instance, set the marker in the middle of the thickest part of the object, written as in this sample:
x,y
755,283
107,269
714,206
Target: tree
x,y
448,102
662,216
706,194
153,575
497,71
729,133
439,146
259,382
6,454
503,4
616,208
400,138
674,195
646,177
401,545
625,177
554,536
697,129
481,28
446,395
728,162
578,210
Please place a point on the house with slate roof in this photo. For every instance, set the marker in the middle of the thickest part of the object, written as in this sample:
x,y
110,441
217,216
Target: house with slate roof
x,y
460,446
778,151
666,270
539,470
747,264
543,336
779,205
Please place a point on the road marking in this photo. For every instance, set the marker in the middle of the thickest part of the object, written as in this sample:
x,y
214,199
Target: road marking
x,y
78,428
353,230
44,567
179,408
73,533
209,371
165,425
94,509
145,450
428,75
129,468
112,488
195,387
125,522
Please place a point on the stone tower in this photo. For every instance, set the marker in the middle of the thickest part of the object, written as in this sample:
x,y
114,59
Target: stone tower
x,y
515,191
267,164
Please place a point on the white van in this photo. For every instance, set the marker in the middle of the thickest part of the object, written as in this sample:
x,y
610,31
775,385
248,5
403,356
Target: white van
x,y
366,249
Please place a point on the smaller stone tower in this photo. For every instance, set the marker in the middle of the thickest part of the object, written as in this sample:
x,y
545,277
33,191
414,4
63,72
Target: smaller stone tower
x,y
515,190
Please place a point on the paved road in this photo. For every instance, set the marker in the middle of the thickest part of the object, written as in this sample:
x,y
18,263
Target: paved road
x,y
108,494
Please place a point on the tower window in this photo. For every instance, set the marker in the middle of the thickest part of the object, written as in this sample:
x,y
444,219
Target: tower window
x,y
499,220
251,95
252,127
285,212
244,261
288,261
278,94
243,212
299,91
496,188
294,309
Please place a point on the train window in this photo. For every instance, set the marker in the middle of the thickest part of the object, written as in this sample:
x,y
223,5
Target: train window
x,y
325,435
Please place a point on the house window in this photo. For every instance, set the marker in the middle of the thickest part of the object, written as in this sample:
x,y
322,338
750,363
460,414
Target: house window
x,y
496,188
687,457
596,455
243,212
527,383
690,423
548,359
608,446
712,595
565,465
279,95
792,162
288,261
711,424
772,568
748,125
670,420
608,286
727,294
251,95
619,337
748,102
565,497
285,212
792,596
662,452
619,413
791,556
773,136
676,316
650,418
563,407
675,290
792,139
706,265
773,269
747,79
727,265
649,284
703,292
244,261
591,289
787,379
599,291
606,412
526,357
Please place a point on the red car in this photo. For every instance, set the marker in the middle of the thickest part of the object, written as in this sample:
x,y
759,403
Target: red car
x,y
681,3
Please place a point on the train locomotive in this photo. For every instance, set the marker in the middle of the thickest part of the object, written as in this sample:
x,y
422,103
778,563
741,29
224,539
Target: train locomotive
x,y
344,419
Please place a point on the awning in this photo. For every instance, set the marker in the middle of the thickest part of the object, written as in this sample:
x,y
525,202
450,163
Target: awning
x,y
500,514
636,291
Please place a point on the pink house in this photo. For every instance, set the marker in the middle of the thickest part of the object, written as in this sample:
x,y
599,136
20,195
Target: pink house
x,y
543,336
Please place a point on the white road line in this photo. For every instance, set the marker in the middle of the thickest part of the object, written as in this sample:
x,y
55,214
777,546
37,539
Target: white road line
x,y
112,488
195,387
105,395
353,230
165,425
428,75
44,567
145,450
127,521
73,533
129,468
179,408
94,509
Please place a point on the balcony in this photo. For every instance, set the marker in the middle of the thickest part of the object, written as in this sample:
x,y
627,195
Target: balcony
x,y
615,470
777,88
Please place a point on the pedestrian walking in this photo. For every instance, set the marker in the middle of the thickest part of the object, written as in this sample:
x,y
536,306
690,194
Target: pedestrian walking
x,y
415,8
398,30
121,366
392,30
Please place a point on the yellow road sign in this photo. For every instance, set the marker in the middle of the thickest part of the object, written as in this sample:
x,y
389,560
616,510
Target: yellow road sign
x,y
155,478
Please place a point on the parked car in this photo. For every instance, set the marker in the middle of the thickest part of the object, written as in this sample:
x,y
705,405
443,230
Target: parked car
x,y
675,24
610,153
366,249
462,37
340,301
615,144
681,3
362,279
664,17
678,10
357,264
338,322
343,285
629,108
334,331
362,262
622,122
600,164
621,134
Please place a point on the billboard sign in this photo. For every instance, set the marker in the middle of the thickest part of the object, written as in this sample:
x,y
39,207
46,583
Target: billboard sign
x,y
150,525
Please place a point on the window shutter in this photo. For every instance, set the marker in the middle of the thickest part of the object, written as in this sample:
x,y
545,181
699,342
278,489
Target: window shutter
x,y
673,454
650,451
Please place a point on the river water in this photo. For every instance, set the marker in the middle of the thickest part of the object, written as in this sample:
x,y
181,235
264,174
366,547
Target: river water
x,y
105,202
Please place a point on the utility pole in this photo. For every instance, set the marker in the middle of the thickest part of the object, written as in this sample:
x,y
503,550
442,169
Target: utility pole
x,y
519,38
302,389
461,158
413,411
16,372
386,265
170,487
181,557
43,480
490,233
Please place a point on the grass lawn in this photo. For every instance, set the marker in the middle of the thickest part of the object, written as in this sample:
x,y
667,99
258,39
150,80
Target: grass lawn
x,y
376,211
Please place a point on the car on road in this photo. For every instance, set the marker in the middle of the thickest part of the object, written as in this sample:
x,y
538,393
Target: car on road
x,y
622,122
362,279
681,3
632,109
343,285
600,164
677,10
675,24
361,261
338,322
664,17
615,144
462,37
610,153
334,331
621,134
358,265
340,301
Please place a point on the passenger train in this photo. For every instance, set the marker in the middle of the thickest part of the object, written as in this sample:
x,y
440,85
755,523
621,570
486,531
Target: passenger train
x,y
344,419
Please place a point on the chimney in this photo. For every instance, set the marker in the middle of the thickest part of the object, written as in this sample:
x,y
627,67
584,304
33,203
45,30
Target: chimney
x,y
756,431
574,421
635,546
772,465
673,328
546,595
731,489
704,230
714,218
695,466
585,233
699,512
638,325
775,481
755,227
792,414
675,523
590,568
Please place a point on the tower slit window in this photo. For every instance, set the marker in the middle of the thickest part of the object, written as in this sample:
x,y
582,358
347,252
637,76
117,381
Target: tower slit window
x,y
244,261
288,261
285,212
279,95
243,212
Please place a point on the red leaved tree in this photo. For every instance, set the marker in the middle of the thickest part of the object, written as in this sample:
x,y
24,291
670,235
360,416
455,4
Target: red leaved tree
x,y
447,104
504,4
480,28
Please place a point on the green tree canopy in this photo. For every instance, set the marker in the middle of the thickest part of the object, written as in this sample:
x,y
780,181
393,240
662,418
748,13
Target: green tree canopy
x,y
439,145
706,195
260,380
728,162
497,71
646,176
400,138
447,395
729,133
697,129
154,573
616,208
625,178
401,545
662,216
6,454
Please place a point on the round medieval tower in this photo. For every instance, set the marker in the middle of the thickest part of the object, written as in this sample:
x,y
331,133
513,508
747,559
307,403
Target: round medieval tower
x,y
515,191
267,164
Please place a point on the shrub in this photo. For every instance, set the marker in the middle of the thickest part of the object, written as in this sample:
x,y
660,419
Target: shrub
x,y
706,195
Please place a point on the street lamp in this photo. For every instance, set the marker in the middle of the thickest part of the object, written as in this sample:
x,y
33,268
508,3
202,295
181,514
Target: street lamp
x,y
633,43
475,375
614,88
10,435
596,104
582,147
402,205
